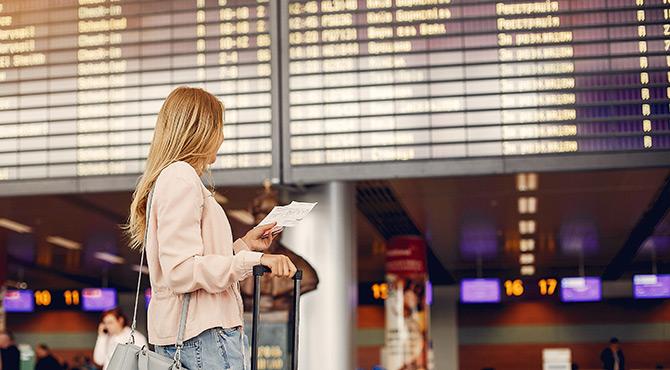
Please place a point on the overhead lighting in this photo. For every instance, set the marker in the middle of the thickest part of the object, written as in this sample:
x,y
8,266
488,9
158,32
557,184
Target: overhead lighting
x,y
527,205
221,199
527,258
527,270
138,268
242,215
108,257
527,245
15,226
64,243
526,227
526,182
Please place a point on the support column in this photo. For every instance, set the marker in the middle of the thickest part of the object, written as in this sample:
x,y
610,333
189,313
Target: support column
x,y
444,327
327,240
3,276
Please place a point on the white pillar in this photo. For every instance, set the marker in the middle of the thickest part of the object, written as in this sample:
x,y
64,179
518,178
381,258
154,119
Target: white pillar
x,y
326,238
444,327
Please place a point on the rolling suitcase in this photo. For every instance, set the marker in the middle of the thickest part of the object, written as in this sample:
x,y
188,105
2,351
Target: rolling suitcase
x,y
294,318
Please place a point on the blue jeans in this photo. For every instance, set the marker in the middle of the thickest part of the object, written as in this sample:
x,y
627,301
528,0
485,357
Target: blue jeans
x,y
217,348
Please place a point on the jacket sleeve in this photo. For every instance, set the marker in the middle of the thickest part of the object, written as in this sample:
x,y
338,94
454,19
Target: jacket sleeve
x,y
239,246
179,201
100,350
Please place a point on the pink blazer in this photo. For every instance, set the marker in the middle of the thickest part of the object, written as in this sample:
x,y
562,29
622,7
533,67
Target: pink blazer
x,y
190,249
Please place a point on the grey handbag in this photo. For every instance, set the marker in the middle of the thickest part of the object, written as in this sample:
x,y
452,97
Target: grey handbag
x,y
129,356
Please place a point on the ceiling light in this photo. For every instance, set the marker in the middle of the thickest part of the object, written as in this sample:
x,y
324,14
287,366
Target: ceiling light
x,y
144,269
526,227
221,199
527,245
15,226
64,243
527,205
242,215
526,258
527,270
108,257
526,181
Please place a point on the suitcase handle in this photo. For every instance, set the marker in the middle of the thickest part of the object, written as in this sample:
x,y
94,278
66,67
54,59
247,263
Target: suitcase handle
x,y
260,270
294,317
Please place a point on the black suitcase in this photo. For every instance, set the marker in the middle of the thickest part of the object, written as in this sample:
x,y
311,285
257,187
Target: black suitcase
x,y
294,318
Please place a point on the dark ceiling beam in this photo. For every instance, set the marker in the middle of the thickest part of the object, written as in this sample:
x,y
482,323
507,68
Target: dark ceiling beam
x,y
89,206
643,229
377,201
85,280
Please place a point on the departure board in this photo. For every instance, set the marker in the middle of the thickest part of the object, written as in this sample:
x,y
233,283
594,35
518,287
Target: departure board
x,y
81,81
319,90
374,82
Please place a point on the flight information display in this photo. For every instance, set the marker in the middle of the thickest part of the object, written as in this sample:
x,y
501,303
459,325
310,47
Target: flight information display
x,y
337,89
373,81
81,81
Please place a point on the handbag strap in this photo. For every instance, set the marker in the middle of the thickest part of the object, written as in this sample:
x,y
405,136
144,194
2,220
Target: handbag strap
x,y
185,302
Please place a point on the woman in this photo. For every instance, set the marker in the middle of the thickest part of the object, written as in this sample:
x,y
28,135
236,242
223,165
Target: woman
x,y
189,243
112,330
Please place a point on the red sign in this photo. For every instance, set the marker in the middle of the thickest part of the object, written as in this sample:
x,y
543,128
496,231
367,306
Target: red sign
x,y
406,256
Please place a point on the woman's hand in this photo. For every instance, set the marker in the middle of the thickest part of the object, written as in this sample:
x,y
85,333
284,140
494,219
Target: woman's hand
x,y
260,238
101,329
280,265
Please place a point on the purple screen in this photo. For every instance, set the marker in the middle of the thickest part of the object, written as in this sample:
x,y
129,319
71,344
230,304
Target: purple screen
x,y
480,290
19,301
98,299
651,286
580,289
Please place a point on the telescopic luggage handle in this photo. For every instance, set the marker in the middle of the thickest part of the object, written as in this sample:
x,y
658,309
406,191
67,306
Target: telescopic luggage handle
x,y
294,317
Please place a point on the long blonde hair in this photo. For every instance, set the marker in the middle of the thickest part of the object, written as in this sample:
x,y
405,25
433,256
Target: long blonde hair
x,y
188,128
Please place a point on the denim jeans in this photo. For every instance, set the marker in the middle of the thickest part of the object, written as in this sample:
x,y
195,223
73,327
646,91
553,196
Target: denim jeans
x,y
217,348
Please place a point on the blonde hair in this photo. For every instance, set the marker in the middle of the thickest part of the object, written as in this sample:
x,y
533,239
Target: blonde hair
x,y
189,128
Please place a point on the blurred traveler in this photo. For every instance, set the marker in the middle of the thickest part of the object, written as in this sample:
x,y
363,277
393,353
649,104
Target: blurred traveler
x,y
612,356
82,362
10,357
45,360
112,330
189,241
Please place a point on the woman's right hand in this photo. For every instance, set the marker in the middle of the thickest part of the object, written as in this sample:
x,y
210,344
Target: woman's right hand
x,y
280,265
101,329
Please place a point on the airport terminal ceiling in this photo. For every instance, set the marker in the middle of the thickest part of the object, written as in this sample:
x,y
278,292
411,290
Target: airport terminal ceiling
x,y
343,89
464,219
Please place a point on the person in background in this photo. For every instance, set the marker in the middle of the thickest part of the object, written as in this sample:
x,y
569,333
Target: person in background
x,y
112,330
82,362
612,356
10,357
46,360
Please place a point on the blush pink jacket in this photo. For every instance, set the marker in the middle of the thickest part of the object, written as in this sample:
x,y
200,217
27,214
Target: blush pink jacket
x,y
190,249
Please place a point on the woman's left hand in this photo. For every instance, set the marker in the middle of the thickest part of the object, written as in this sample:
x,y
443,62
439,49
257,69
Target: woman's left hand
x,y
260,237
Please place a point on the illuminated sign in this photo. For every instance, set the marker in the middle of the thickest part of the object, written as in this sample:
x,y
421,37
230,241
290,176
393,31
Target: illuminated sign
x,y
651,286
19,301
98,299
43,300
581,289
480,290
